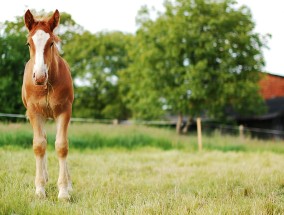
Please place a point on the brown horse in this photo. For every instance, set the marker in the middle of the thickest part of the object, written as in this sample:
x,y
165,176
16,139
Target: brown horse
x,y
47,92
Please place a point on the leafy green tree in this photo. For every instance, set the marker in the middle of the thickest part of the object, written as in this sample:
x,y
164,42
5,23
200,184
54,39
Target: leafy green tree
x,y
198,57
14,55
97,60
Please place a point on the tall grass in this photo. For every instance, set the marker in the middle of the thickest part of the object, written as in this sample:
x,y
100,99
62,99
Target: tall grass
x,y
20,136
95,136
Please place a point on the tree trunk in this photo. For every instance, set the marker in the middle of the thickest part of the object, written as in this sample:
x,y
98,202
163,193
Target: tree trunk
x,y
186,127
179,123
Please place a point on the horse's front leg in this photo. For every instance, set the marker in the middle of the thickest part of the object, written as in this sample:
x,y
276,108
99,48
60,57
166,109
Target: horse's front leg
x,y
61,145
39,147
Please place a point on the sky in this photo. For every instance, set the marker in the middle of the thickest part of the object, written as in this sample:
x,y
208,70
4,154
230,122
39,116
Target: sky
x,y
98,15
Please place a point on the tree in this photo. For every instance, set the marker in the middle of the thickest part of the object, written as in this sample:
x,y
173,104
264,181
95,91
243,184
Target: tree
x,y
14,55
198,57
96,60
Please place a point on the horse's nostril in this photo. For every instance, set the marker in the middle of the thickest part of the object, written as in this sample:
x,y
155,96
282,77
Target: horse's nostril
x,y
34,75
45,74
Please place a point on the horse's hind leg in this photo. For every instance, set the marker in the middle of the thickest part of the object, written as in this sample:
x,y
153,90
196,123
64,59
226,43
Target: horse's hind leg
x,y
61,145
39,147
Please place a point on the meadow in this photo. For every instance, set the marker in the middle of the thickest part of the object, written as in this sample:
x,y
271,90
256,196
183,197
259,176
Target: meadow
x,y
144,170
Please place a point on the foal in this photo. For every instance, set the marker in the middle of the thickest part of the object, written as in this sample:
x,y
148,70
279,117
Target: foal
x,y
47,92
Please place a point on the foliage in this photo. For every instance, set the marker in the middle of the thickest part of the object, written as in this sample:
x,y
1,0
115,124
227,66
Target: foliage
x,y
197,57
14,55
96,61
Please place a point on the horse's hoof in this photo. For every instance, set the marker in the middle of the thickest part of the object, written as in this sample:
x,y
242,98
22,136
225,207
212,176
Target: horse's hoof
x,y
40,192
63,194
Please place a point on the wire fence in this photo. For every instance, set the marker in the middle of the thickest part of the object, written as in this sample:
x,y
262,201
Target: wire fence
x,y
206,125
244,130
105,121
237,128
10,115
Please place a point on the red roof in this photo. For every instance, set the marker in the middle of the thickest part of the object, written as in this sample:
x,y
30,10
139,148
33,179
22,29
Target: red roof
x,y
272,86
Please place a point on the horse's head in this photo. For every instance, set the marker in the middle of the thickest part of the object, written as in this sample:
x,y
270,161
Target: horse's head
x,y
41,42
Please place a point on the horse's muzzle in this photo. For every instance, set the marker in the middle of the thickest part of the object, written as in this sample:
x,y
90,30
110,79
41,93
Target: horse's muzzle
x,y
40,79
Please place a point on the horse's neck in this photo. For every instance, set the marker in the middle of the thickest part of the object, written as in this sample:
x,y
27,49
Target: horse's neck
x,y
54,68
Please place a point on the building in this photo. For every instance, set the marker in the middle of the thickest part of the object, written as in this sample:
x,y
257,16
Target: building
x,y
270,124
272,86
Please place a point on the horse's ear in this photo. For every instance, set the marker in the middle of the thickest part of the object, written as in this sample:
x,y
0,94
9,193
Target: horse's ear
x,y
29,20
54,20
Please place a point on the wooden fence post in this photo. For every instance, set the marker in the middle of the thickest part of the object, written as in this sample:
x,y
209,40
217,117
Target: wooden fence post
x,y
115,122
199,134
241,132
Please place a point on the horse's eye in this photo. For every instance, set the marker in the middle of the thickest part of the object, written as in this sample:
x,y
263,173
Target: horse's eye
x,y
28,44
51,44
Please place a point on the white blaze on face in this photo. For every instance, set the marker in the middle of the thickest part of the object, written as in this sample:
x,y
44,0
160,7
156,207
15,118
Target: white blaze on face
x,y
40,38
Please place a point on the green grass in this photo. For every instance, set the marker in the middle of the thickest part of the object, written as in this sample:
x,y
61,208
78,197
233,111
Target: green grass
x,y
96,136
142,170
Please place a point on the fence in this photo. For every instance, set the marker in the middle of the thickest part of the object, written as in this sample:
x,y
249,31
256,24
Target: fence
x,y
206,126
243,130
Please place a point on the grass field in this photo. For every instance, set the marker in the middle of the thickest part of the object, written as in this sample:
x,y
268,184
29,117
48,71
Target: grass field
x,y
142,170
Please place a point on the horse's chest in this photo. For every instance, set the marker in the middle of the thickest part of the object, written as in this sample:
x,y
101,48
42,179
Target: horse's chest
x,y
45,104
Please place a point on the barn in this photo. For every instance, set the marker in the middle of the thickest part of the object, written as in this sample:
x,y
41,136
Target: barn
x,y
270,124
